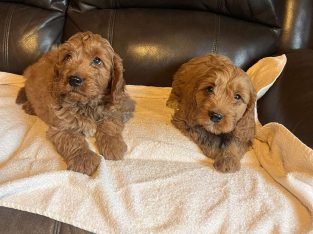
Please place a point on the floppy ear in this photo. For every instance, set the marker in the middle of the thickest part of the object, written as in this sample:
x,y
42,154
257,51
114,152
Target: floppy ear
x,y
245,129
117,80
188,104
58,57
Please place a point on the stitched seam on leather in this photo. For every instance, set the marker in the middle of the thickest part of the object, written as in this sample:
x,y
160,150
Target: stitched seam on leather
x,y
3,44
4,41
216,34
217,27
111,25
56,227
6,36
213,43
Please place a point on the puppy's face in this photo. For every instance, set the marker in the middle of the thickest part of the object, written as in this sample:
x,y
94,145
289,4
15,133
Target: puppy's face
x,y
84,67
222,100
223,94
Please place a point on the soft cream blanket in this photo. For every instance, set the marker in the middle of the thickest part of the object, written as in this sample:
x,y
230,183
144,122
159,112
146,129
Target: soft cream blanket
x,y
164,185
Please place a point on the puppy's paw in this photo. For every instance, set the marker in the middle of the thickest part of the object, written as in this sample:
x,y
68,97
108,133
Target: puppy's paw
x,y
227,164
113,150
86,163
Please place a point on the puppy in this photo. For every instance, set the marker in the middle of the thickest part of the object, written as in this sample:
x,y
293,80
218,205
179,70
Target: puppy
x,y
214,105
77,88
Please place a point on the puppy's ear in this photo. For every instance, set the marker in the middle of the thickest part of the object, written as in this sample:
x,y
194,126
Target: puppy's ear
x,y
117,80
58,55
188,104
245,129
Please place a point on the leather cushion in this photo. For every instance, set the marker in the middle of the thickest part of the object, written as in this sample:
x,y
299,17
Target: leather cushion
x,y
266,11
290,100
26,33
154,42
59,5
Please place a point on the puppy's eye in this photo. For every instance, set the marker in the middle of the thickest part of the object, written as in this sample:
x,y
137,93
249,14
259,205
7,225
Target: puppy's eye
x,y
96,61
237,97
67,57
210,89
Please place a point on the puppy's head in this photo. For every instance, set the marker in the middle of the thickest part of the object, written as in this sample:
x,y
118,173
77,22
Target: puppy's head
x,y
221,94
87,68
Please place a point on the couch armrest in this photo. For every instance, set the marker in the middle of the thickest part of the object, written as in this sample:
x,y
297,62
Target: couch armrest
x,y
290,100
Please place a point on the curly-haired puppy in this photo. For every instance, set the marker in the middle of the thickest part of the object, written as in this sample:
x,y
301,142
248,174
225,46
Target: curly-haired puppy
x,y
214,105
77,88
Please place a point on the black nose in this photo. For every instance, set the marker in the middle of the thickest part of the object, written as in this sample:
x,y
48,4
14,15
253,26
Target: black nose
x,y
215,117
75,81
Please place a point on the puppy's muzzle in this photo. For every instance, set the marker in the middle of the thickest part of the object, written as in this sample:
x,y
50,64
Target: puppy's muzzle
x,y
215,117
75,81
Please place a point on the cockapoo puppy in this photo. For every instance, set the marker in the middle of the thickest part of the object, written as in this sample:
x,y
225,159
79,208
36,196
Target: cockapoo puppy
x,y
77,88
214,105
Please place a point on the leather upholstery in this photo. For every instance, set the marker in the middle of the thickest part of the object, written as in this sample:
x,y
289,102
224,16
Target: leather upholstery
x,y
290,100
297,25
161,35
26,32
19,222
244,30
57,5
267,11
159,41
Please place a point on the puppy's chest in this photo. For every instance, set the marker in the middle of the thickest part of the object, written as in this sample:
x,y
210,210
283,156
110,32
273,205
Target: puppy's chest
x,y
83,120
218,142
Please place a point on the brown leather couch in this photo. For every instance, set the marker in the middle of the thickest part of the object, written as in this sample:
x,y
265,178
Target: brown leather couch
x,y
155,37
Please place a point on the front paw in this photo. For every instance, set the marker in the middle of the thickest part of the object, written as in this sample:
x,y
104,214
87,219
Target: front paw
x,y
114,149
86,163
227,164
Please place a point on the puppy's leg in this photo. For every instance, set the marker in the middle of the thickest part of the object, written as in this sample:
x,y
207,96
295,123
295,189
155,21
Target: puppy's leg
x,y
229,159
199,135
226,160
74,149
110,141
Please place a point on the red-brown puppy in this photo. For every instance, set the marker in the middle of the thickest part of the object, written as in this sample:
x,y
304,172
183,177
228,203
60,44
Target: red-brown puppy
x,y
77,88
214,105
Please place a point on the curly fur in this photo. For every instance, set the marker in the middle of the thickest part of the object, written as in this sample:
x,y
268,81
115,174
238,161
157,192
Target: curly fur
x,y
211,84
99,106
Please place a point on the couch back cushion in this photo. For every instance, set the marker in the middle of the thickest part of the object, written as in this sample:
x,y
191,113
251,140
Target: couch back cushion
x,y
155,37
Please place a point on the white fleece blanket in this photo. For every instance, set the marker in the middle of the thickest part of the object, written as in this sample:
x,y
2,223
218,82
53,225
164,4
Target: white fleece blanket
x,y
164,185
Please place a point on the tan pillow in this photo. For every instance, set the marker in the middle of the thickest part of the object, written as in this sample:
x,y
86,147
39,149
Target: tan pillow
x,y
263,75
265,72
